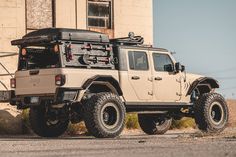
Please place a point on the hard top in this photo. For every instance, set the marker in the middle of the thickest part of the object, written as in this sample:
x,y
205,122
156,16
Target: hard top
x,y
142,47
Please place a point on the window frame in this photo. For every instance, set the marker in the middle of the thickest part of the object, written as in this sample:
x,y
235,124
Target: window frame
x,y
153,58
133,52
19,68
110,18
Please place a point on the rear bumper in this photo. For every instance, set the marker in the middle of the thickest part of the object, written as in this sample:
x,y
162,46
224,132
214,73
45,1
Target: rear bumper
x,y
62,95
66,94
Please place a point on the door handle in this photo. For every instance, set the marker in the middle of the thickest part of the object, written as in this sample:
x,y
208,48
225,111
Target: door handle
x,y
34,72
158,78
135,77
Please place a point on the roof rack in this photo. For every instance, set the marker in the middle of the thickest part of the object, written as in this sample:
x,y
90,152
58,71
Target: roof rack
x,y
130,40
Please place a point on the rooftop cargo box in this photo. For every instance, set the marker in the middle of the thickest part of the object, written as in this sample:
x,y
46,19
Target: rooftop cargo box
x,y
56,34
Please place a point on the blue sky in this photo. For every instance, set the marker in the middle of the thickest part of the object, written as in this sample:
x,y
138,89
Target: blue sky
x,y
203,35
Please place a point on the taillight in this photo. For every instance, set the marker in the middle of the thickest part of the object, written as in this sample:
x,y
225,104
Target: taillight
x,y
56,48
23,52
60,80
13,83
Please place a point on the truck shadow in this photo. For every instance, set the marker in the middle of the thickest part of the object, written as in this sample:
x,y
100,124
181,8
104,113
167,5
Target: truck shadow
x,y
139,137
10,124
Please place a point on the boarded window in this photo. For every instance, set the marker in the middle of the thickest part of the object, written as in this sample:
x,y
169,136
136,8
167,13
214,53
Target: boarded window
x,y
100,14
39,14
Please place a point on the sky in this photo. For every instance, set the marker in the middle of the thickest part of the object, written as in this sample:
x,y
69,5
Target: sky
x,y
203,35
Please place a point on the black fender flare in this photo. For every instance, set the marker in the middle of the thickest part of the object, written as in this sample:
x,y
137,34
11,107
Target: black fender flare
x,y
203,81
106,80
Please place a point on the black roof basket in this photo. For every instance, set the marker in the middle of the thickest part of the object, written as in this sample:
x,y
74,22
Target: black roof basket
x,y
129,41
48,35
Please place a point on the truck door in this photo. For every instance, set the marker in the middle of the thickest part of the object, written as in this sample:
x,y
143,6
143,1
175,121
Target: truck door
x,y
139,75
166,82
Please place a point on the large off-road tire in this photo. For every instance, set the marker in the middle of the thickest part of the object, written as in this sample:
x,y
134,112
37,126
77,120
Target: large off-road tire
x,y
154,124
104,115
43,126
211,113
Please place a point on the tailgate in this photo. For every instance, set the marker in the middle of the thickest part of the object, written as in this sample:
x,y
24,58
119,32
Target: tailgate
x,y
36,82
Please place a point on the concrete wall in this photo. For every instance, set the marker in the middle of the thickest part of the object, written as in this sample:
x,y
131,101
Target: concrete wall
x,y
12,26
134,16
81,14
66,16
12,22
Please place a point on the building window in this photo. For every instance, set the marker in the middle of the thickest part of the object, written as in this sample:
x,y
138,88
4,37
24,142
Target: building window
x,y
39,14
100,14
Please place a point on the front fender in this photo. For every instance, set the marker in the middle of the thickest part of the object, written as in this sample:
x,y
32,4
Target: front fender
x,y
208,82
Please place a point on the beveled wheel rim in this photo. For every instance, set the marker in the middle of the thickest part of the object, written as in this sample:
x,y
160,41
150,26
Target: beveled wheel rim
x,y
110,115
216,113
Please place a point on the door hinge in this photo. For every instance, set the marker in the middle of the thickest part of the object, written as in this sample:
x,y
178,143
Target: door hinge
x,y
150,93
150,79
178,80
178,94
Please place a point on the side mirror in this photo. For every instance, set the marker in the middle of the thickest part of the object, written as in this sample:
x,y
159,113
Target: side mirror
x,y
169,68
183,68
179,67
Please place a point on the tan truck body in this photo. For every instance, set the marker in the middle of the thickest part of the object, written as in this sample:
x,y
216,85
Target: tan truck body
x,y
172,87
67,75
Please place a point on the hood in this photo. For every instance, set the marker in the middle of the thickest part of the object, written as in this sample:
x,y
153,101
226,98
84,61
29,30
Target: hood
x,y
192,80
192,77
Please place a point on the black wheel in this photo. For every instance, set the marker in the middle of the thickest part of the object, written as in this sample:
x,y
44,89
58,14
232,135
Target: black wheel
x,y
211,113
154,124
44,126
104,115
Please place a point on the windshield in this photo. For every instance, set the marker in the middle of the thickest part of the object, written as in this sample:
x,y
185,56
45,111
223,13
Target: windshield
x,y
39,58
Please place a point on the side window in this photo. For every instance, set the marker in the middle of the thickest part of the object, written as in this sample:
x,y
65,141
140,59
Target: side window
x,y
162,62
138,60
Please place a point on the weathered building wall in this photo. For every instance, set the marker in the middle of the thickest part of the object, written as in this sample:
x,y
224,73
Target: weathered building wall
x,y
81,14
12,22
71,16
12,26
128,16
65,14
134,16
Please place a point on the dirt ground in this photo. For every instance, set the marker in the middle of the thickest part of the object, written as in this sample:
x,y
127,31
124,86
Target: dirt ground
x,y
11,120
133,144
232,112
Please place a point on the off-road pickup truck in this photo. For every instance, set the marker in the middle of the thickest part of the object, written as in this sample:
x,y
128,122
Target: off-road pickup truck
x,y
67,75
